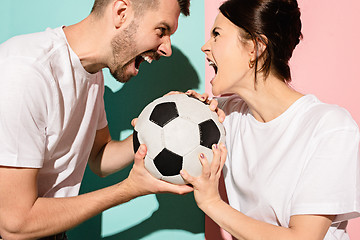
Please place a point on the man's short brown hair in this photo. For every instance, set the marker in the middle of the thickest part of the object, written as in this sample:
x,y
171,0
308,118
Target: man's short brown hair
x,y
139,6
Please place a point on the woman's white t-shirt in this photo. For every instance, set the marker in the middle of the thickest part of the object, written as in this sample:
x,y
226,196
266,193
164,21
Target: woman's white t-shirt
x,y
303,162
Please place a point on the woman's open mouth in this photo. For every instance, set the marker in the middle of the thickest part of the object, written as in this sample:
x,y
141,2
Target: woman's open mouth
x,y
212,64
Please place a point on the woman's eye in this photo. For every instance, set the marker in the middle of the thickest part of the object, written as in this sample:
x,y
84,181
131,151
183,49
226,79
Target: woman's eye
x,y
215,33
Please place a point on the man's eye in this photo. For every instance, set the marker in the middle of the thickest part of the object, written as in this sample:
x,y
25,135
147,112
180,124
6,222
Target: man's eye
x,y
161,32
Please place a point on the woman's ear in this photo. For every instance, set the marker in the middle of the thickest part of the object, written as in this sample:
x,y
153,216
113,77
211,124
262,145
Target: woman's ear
x,y
262,44
120,12
258,47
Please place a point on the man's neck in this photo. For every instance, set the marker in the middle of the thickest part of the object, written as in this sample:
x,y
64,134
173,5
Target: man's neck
x,y
87,41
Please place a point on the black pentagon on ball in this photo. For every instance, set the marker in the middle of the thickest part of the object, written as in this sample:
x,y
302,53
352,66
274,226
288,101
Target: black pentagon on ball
x,y
168,163
163,113
209,133
136,143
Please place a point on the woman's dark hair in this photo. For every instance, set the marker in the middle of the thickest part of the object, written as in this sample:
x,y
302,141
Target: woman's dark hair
x,y
276,23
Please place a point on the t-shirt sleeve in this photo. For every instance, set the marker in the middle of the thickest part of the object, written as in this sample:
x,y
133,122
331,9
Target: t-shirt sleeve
x,y
102,116
221,102
230,104
22,115
329,184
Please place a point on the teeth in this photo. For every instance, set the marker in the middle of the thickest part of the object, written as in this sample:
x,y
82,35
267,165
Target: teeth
x,y
147,58
212,64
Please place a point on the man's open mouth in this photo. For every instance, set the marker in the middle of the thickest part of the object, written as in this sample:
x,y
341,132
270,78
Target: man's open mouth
x,y
139,59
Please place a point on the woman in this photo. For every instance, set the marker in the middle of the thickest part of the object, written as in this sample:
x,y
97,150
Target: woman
x,y
291,170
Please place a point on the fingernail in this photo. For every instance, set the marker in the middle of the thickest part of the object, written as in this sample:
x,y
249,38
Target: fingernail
x,y
202,155
215,146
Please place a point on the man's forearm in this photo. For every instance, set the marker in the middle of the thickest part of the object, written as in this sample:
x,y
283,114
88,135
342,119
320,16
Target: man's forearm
x,y
49,216
114,156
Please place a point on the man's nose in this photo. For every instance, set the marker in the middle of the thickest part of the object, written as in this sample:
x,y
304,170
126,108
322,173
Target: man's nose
x,y
165,48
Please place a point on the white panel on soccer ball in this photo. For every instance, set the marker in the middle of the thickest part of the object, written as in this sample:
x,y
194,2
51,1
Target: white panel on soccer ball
x,y
181,136
198,112
173,97
145,115
177,179
151,135
150,166
191,162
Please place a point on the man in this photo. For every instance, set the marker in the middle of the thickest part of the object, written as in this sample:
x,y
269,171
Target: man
x,y
52,118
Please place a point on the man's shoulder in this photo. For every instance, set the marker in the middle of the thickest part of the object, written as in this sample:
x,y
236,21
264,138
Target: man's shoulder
x,y
33,45
33,54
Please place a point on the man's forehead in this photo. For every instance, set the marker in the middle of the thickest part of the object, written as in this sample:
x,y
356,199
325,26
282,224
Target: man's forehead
x,y
167,15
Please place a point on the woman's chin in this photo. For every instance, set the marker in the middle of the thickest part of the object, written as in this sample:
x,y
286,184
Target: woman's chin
x,y
215,92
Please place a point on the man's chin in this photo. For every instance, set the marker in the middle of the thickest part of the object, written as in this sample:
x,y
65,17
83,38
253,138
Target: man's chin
x,y
123,80
120,76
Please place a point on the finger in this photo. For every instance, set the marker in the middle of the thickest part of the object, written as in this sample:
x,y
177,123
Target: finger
x,y
205,165
187,177
194,94
133,122
173,188
204,97
191,92
223,156
140,155
216,162
213,105
183,189
221,114
173,93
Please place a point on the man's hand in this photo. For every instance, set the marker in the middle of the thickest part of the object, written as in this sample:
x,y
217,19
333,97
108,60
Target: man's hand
x,y
141,182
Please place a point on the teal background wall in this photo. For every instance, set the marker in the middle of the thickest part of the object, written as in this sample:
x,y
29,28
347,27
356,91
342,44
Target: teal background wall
x,y
152,217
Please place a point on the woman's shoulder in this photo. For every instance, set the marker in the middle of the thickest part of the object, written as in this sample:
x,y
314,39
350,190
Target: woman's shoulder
x,y
329,116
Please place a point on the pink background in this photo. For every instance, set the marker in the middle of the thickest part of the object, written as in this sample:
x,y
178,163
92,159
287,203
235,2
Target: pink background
x,y
326,63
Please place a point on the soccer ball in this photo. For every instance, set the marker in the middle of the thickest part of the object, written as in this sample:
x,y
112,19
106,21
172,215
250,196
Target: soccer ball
x,y
176,129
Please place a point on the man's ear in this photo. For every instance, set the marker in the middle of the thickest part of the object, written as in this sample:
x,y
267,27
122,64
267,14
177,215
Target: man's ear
x,y
120,12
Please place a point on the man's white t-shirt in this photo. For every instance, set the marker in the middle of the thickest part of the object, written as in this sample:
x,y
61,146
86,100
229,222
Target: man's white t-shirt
x,y
50,109
303,162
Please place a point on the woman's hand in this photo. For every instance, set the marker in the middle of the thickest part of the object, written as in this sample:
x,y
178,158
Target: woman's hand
x,y
206,186
213,103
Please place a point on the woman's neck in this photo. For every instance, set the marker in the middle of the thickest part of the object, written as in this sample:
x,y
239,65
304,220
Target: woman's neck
x,y
269,98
